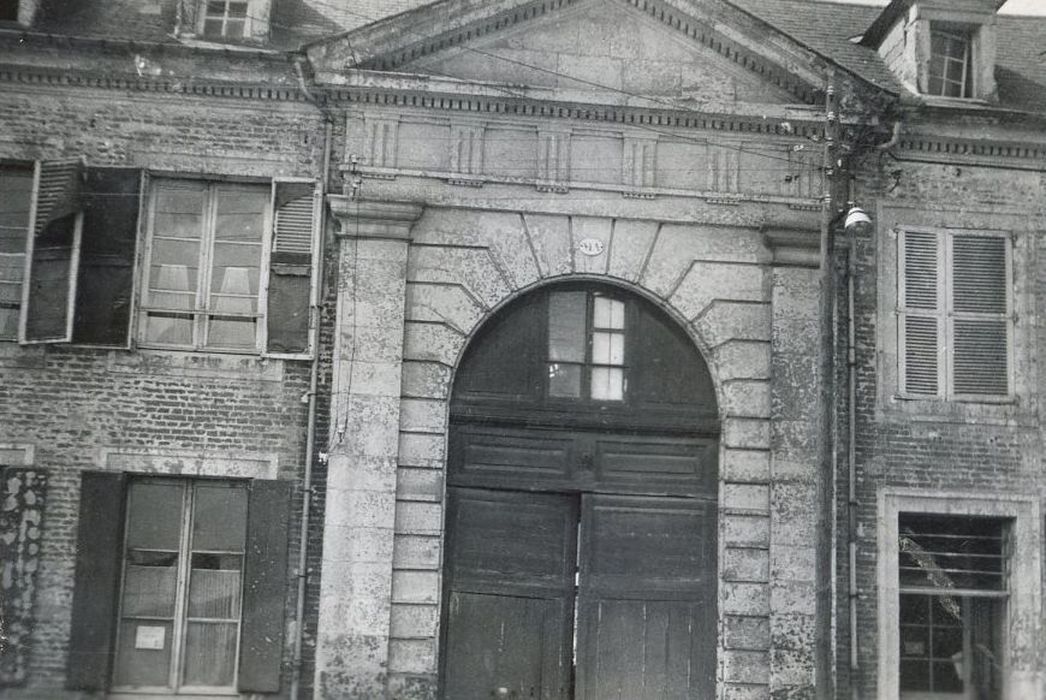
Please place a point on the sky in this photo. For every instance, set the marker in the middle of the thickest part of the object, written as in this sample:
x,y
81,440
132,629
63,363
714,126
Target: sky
x,y
1013,7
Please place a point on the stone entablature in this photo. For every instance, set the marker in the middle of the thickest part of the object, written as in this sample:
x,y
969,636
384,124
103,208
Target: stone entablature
x,y
473,150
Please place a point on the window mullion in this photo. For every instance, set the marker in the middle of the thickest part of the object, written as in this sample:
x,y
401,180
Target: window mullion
x,y
182,589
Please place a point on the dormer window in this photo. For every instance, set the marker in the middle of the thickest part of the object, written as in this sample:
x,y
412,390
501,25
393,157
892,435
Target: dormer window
x,y
938,48
951,61
225,19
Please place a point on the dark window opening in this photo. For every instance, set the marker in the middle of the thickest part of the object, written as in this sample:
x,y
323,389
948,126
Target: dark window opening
x,y
8,10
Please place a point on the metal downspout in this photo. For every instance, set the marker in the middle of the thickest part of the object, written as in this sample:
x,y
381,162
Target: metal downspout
x,y
310,439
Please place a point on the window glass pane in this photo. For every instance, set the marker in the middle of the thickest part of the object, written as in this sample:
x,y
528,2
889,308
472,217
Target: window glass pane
x,y
12,267
915,675
212,28
150,580
241,213
237,9
609,313
946,676
169,329
143,656
210,653
564,380
232,333
608,348
608,383
8,323
214,586
216,7
16,184
234,282
566,327
154,515
219,518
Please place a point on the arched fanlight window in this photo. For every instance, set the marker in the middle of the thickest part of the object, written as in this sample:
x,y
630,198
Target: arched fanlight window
x,y
570,351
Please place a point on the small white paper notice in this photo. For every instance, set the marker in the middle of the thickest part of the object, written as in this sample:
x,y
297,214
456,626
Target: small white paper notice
x,y
149,637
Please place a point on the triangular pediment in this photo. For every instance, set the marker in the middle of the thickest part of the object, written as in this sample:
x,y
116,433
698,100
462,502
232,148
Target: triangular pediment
x,y
615,51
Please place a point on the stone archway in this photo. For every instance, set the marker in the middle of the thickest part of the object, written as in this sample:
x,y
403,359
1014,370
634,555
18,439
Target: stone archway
x,y
581,527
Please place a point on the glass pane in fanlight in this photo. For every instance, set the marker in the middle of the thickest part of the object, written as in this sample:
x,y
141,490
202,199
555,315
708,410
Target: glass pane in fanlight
x,y
566,326
219,518
609,313
608,348
154,515
608,384
210,654
564,380
143,655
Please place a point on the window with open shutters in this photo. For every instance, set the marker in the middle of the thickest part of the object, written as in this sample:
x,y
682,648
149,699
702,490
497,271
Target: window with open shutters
x,y
230,267
955,314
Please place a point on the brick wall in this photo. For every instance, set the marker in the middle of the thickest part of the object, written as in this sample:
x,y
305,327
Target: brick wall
x,y
946,446
159,411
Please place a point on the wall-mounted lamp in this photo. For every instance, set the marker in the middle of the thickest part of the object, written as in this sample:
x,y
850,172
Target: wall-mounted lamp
x,y
857,221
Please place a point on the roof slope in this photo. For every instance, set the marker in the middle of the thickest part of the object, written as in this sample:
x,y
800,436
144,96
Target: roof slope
x,y
827,28
824,27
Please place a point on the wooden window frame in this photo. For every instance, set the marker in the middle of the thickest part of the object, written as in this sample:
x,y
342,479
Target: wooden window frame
x,y
946,316
184,568
1025,585
953,33
201,312
147,225
223,35
588,364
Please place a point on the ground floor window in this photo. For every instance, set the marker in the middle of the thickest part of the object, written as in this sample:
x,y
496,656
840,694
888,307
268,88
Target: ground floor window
x,y
953,591
180,585
182,581
959,595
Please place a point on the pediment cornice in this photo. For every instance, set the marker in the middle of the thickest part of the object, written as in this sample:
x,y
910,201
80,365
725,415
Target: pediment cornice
x,y
392,44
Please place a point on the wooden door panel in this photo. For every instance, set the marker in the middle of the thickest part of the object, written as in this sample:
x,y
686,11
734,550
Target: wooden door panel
x,y
638,650
509,594
652,463
647,547
647,598
499,641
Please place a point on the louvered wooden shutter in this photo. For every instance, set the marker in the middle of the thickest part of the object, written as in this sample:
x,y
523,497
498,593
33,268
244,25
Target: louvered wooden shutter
x,y
921,314
53,254
980,315
296,207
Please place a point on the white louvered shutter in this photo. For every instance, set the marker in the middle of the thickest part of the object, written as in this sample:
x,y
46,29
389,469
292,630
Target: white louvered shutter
x,y
292,265
981,315
52,253
921,312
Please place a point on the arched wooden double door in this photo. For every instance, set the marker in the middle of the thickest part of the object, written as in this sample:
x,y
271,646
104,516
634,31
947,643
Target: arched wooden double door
x,y
581,521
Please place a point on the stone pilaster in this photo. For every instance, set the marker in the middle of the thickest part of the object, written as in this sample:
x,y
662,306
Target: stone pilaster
x,y
356,585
